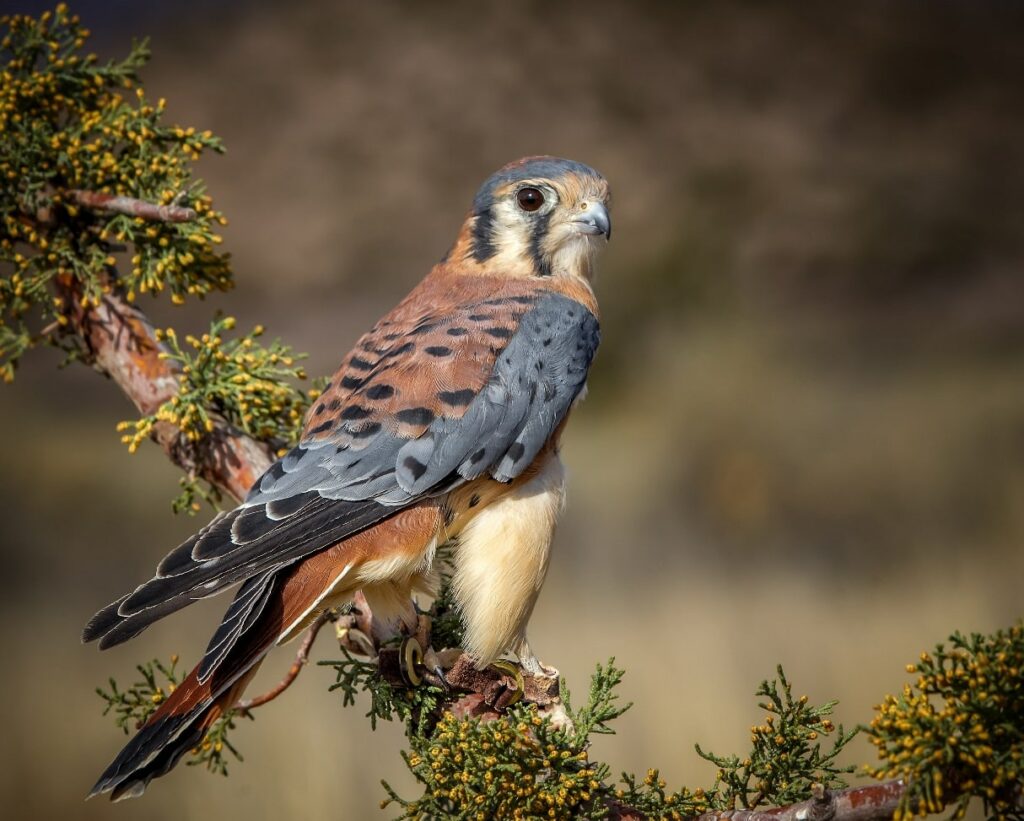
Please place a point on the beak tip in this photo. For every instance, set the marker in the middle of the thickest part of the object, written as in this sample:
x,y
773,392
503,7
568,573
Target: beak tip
x,y
595,220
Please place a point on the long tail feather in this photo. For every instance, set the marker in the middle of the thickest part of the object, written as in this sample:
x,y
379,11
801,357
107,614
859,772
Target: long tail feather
x,y
262,614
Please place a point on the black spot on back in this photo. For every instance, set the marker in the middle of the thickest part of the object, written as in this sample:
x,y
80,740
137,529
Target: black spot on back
x,y
498,333
516,452
323,426
401,349
457,332
367,430
457,398
351,382
415,416
379,392
438,350
360,364
355,412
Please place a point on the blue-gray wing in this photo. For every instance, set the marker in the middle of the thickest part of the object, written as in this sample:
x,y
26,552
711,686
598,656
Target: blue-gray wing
x,y
417,409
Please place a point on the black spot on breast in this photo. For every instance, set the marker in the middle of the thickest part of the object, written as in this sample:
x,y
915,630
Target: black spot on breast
x,y
376,392
355,412
415,416
515,453
360,364
499,333
547,342
351,382
414,466
438,350
457,332
456,398
474,500
367,430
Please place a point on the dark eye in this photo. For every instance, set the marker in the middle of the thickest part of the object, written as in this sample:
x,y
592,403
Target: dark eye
x,y
529,199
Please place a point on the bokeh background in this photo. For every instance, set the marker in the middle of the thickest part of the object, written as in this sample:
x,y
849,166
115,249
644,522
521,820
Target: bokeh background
x,y
804,441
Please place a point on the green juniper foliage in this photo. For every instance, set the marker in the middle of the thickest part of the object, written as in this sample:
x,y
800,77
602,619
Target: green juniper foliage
x,y
958,731
238,379
786,757
70,124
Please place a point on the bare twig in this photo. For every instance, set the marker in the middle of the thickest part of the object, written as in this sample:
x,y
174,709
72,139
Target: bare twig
x,y
131,206
293,672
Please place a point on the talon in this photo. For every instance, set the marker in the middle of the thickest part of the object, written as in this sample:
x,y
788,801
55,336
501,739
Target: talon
x,y
410,661
432,663
437,671
512,670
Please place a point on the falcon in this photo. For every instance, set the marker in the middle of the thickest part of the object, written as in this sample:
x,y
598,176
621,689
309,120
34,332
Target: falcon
x,y
441,425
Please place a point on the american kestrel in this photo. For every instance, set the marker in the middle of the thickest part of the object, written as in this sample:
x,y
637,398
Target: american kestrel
x,y
441,425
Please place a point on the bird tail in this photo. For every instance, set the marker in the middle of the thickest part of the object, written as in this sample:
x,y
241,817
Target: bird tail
x,y
265,611
180,723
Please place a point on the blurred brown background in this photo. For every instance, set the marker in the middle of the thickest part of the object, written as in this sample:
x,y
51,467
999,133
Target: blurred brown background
x,y
805,433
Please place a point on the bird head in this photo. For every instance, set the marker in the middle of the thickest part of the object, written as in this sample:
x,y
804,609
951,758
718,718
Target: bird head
x,y
538,216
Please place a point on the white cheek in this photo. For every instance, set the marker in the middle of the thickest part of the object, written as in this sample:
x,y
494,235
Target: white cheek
x,y
512,237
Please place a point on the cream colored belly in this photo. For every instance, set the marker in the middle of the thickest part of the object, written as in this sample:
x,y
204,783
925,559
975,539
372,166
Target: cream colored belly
x,y
502,559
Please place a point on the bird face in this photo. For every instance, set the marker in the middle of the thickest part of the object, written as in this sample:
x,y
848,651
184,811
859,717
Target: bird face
x,y
539,216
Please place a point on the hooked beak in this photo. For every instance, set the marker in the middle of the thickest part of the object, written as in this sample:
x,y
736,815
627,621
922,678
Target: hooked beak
x,y
593,219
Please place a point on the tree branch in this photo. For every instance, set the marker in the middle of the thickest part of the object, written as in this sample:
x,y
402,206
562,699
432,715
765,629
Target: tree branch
x,y
875,802
121,342
131,206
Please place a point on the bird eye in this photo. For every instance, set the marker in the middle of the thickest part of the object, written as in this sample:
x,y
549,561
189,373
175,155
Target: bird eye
x,y
529,199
